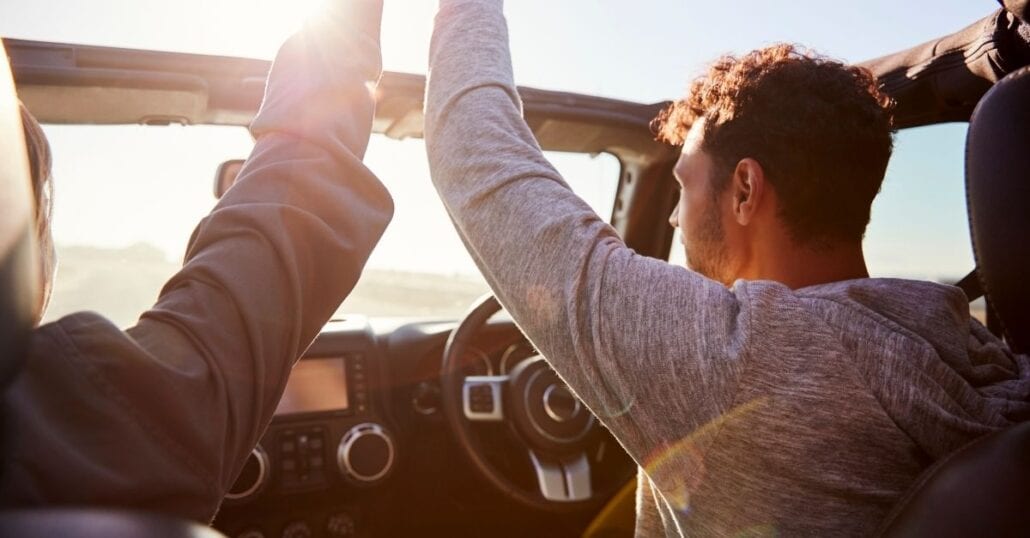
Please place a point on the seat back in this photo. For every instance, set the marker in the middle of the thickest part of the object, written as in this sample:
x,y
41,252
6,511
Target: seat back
x,y
984,488
19,259
998,197
981,490
100,524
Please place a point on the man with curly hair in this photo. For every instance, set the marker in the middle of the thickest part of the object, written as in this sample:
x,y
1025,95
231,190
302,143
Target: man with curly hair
x,y
773,388
796,143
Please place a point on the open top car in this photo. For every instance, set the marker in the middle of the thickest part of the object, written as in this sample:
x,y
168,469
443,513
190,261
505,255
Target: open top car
x,y
396,421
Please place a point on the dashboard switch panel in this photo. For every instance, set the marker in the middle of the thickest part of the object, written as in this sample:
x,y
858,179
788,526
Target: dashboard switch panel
x,y
301,463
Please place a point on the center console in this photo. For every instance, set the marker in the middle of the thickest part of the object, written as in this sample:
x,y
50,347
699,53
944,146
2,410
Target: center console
x,y
328,446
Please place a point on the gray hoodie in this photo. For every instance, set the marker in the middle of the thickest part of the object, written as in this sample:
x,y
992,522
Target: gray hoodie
x,y
755,410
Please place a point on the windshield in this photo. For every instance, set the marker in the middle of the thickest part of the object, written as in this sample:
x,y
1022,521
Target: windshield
x,y
421,267
122,219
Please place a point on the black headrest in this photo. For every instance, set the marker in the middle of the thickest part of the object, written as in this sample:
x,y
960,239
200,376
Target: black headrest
x,y
998,197
19,261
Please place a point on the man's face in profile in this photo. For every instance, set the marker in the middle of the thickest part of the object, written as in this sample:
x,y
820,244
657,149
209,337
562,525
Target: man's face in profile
x,y
698,213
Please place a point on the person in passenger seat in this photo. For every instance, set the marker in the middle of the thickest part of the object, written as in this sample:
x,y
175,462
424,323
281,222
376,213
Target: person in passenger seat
x,y
161,416
773,388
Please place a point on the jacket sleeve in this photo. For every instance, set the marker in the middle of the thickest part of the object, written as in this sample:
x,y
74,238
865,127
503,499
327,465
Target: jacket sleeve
x,y
162,416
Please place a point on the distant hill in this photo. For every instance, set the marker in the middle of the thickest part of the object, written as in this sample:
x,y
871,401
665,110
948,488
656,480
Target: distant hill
x,y
118,283
123,283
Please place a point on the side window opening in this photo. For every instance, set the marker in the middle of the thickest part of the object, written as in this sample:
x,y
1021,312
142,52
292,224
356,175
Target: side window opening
x,y
919,227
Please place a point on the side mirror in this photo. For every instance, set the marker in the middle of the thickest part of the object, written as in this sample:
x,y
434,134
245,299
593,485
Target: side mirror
x,y
226,175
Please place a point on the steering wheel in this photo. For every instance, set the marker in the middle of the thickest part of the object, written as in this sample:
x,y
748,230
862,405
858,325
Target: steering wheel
x,y
555,428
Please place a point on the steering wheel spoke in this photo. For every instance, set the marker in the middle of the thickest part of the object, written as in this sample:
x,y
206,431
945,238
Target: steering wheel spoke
x,y
482,397
563,480
539,410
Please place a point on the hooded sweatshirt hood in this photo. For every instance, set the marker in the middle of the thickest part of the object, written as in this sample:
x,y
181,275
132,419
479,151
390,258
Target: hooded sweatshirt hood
x,y
983,370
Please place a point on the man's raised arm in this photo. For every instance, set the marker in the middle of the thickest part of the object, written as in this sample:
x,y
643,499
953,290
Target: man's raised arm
x,y
627,333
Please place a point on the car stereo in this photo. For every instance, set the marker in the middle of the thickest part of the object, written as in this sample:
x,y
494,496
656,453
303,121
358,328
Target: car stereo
x,y
323,418
325,384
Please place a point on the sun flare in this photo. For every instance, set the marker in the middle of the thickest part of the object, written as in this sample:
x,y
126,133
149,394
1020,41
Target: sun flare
x,y
260,26
288,14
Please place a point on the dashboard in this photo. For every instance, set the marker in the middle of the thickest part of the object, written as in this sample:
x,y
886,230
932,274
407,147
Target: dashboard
x,y
358,445
329,437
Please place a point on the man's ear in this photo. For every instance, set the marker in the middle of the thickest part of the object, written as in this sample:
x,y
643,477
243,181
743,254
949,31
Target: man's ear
x,y
748,190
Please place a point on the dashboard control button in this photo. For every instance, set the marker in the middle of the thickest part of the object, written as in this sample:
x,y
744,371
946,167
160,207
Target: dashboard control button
x,y
426,399
341,526
366,453
303,462
481,398
252,477
297,529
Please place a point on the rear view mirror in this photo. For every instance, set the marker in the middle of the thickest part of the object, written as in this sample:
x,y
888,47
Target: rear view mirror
x,y
226,175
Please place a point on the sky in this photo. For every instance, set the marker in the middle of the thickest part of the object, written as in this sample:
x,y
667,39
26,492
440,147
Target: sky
x,y
643,51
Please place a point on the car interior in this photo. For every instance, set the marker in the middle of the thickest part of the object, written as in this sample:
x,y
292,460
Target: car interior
x,y
395,426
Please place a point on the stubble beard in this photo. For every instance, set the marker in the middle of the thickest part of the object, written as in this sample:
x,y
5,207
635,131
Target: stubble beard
x,y
706,246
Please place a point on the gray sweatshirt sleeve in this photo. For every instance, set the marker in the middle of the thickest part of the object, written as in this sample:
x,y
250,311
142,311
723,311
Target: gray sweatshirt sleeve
x,y
161,417
653,349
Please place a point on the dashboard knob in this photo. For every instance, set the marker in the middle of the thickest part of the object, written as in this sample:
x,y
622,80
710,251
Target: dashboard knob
x,y
252,478
366,453
297,529
340,526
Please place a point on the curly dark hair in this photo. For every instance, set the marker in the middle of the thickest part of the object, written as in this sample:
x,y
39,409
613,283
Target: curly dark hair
x,y
821,130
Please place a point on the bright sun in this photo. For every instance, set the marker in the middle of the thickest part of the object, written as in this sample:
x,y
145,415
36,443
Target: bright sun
x,y
258,27
286,13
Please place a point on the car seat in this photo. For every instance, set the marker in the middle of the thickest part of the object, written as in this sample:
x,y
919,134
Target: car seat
x,y
983,489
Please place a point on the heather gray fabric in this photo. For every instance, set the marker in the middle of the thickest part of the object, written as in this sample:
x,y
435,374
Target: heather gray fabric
x,y
161,417
755,410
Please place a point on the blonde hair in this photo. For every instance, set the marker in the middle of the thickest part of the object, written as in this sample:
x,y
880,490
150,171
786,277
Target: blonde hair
x,y
40,168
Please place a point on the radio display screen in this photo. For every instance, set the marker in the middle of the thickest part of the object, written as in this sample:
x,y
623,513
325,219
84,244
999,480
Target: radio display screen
x,y
315,385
